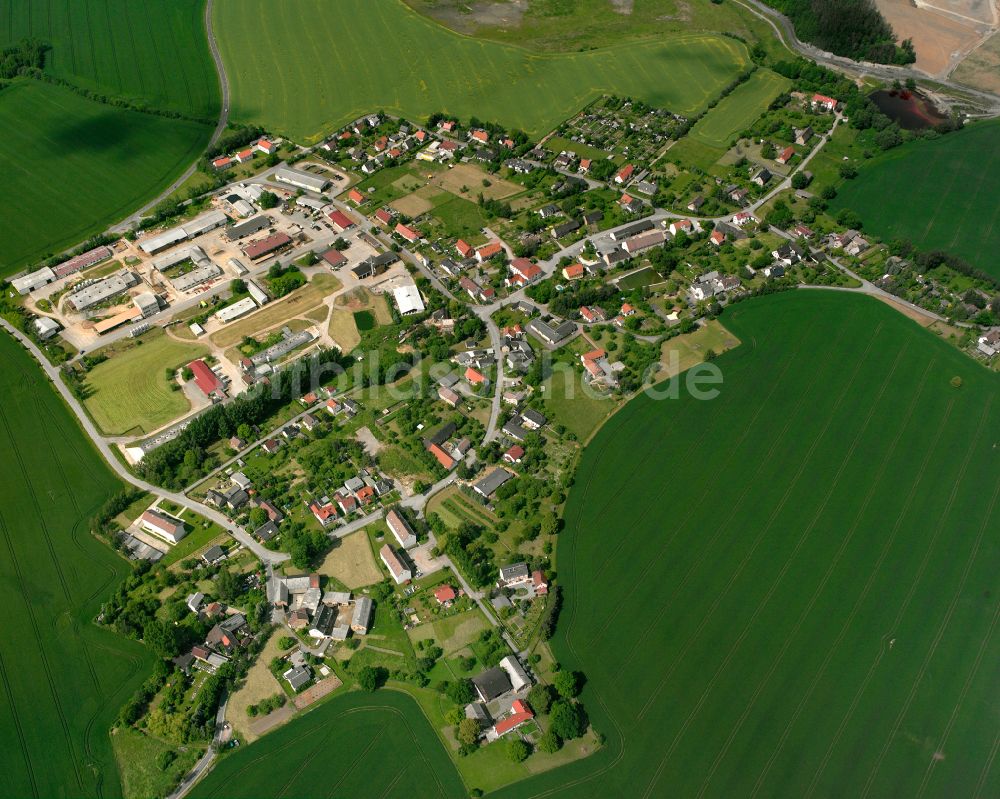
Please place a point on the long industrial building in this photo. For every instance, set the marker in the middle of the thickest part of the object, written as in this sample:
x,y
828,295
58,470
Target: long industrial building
x,y
194,278
300,179
189,230
100,290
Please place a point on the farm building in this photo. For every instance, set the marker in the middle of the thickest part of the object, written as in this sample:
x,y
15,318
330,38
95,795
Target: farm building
x,y
101,290
401,529
208,381
30,282
236,310
248,228
196,277
361,620
400,571
300,180
46,328
83,261
267,246
162,526
491,684
189,230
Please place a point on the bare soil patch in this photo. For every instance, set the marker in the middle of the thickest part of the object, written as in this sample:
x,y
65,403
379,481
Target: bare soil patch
x,y
940,39
981,69
471,177
316,692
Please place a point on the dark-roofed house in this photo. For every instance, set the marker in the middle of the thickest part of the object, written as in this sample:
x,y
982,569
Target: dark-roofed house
x,y
297,677
532,419
492,683
213,555
488,485
513,575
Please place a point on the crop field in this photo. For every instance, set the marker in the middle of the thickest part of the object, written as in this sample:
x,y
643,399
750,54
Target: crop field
x,y
62,679
808,607
71,166
150,51
130,389
420,67
738,110
950,190
357,744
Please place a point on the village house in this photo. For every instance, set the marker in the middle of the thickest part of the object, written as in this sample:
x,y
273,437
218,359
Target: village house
x,y
162,526
400,529
398,570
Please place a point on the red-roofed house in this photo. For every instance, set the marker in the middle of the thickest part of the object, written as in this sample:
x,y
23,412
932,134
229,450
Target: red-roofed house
x,y
366,495
717,237
245,155
334,257
407,233
206,379
348,504
786,155
520,714
341,221
464,248
444,594
355,196
381,143
624,174
593,314
824,102
514,454
480,135
539,583
681,224
383,216
448,125
584,166
627,310
443,457
487,251
525,270
475,377
420,135
266,146
325,514
223,162
573,271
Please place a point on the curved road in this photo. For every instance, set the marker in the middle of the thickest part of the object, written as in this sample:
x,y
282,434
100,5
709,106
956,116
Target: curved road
x,y
785,30
220,126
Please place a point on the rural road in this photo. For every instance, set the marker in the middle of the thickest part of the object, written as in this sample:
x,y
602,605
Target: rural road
x,y
785,30
220,126
206,759
105,449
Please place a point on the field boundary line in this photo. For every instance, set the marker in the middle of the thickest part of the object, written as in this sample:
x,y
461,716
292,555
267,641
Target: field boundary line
x,y
833,561
899,614
951,607
858,601
987,767
736,645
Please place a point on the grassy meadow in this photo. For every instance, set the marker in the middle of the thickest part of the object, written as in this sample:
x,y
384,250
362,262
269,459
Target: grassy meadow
x,y
130,391
108,46
950,190
63,679
806,608
420,67
72,166
738,110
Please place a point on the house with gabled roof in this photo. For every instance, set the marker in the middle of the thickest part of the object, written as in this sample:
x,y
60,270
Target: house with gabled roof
x,y
398,570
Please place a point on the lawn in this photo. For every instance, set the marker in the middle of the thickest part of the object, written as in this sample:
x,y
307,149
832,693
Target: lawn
x,y
72,166
136,753
131,392
343,329
364,320
201,533
802,568
737,111
571,403
276,84
684,351
276,313
950,190
351,562
64,679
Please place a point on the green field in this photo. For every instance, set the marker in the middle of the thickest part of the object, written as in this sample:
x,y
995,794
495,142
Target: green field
x,y
354,745
807,606
364,320
149,51
130,392
419,67
72,166
950,190
737,111
63,679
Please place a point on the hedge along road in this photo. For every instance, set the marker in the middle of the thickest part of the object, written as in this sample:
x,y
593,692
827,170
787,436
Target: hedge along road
x,y
418,67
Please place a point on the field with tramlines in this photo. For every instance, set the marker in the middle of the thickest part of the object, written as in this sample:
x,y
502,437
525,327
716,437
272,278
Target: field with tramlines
x,y
354,745
70,166
276,82
150,51
62,679
939,194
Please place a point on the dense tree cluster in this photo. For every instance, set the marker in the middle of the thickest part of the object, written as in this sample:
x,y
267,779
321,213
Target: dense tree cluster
x,y
23,57
852,28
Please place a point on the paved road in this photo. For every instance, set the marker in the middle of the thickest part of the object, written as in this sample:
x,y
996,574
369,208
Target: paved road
x,y
206,759
220,126
105,449
785,30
